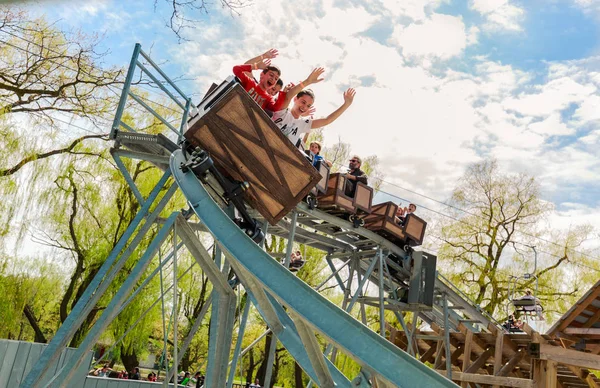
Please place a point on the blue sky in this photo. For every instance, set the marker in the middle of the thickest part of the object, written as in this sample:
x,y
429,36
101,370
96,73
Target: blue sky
x,y
440,83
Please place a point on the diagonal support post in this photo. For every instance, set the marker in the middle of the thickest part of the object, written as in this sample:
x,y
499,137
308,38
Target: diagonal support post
x,y
99,284
112,309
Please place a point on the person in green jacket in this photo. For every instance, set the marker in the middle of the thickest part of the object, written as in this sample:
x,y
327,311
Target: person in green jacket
x,y
186,379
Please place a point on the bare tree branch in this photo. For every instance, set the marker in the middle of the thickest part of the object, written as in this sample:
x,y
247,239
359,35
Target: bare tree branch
x,y
44,155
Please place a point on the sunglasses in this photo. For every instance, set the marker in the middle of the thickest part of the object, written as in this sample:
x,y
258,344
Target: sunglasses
x,y
354,160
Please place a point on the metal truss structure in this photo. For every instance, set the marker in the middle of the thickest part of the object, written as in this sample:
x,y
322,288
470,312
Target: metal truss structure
x,y
294,311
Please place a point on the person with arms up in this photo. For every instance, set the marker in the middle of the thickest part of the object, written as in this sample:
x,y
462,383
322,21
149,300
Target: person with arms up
x,y
294,125
259,91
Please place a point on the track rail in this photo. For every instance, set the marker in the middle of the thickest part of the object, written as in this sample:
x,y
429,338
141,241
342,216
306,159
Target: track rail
x,y
366,347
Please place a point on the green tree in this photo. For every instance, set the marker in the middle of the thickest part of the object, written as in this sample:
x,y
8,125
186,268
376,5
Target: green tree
x,y
483,246
28,308
46,76
45,70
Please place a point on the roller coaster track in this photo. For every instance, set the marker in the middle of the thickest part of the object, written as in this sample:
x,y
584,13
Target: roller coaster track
x,y
272,287
294,312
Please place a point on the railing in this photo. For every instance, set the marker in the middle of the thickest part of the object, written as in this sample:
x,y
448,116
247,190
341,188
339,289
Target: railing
x,y
468,299
151,74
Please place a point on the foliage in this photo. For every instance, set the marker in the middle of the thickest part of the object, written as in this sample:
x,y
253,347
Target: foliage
x,y
28,283
488,243
45,70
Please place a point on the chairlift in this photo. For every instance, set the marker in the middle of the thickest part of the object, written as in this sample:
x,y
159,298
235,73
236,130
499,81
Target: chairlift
x,y
528,306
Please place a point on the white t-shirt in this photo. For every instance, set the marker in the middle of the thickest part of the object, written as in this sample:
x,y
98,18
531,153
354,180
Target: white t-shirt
x,y
291,127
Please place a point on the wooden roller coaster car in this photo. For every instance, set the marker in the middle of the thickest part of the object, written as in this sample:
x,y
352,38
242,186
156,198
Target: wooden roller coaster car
x,y
246,145
323,168
335,200
382,221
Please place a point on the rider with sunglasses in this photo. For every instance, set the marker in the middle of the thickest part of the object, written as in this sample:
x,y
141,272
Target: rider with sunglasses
x,y
355,174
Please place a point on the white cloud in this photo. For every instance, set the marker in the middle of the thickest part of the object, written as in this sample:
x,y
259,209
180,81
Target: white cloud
x,y
552,125
424,126
438,37
499,14
415,10
85,9
591,139
553,96
427,111
588,6
473,35
589,110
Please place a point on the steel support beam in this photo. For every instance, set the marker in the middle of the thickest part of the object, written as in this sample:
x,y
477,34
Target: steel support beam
x,y
112,309
99,284
368,348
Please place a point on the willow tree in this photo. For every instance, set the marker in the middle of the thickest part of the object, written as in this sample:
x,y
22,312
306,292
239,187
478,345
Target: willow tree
x,y
47,76
30,289
490,239
45,70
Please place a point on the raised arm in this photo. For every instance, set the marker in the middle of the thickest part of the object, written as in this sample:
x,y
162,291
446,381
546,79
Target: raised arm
x,y
269,54
348,98
313,78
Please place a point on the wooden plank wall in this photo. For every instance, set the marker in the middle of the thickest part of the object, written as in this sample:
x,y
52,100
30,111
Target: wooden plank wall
x,y
17,358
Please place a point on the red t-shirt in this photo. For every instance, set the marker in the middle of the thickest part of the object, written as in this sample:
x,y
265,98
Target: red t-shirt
x,y
258,94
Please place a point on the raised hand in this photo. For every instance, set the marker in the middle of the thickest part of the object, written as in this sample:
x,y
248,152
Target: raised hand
x,y
349,96
309,112
263,64
270,54
313,78
288,87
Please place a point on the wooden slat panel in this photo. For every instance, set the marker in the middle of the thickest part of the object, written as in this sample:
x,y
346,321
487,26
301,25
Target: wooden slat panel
x,y
18,357
363,197
486,379
384,224
342,201
375,225
90,383
104,383
395,229
415,228
324,171
569,356
246,144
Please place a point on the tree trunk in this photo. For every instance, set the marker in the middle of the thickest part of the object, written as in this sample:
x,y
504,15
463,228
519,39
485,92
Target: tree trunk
x,y
251,366
298,376
39,335
262,369
129,358
276,366
185,361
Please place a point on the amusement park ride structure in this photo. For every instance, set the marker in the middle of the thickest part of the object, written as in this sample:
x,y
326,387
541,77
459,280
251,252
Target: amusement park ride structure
x,y
211,158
